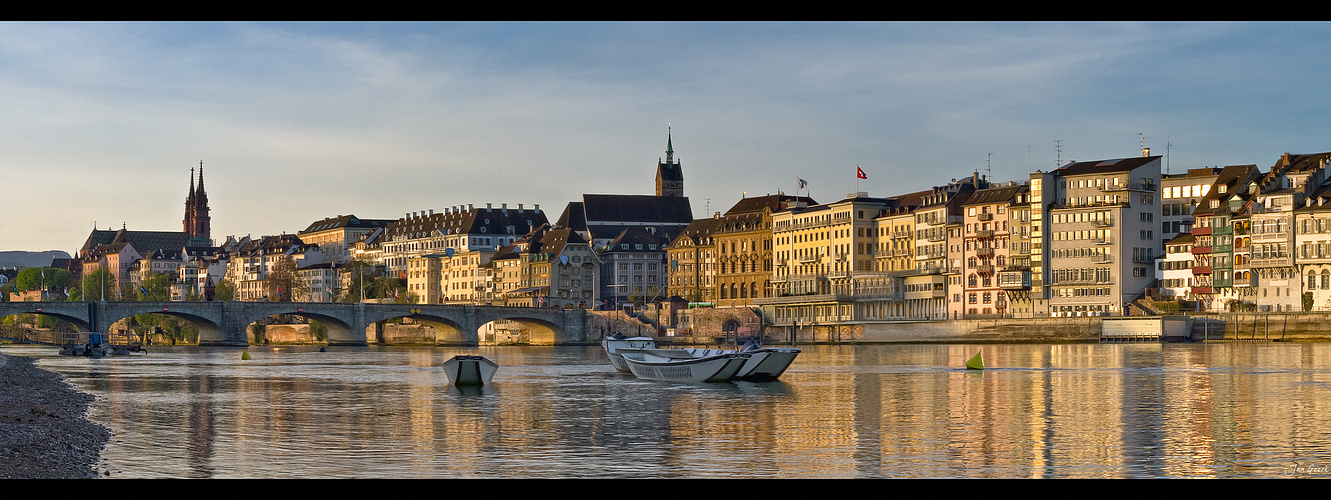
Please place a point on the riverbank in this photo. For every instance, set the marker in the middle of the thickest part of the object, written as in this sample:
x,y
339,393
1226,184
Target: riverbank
x,y
44,431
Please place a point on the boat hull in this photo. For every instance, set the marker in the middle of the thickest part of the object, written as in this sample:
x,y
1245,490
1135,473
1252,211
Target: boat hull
x,y
764,364
470,370
654,364
612,347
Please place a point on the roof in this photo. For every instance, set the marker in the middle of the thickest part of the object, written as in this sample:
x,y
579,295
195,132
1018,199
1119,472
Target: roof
x,y
638,240
699,228
774,202
488,220
992,196
635,208
144,241
344,221
1235,179
1104,166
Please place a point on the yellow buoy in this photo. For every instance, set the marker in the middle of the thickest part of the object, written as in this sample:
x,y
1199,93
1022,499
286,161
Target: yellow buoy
x,y
244,355
976,362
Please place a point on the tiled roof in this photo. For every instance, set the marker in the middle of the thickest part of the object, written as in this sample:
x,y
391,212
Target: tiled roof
x,y
348,221
774,202
490,221
144,241
1104,166
636,208
991,196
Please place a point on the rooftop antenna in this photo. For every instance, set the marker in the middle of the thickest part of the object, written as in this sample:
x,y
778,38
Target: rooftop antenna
x,y
1143,141
1167,146
1058,149
989,167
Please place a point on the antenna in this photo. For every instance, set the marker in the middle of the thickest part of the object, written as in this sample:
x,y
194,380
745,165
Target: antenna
x,y
1167,146
1058,149
989,167
1143,141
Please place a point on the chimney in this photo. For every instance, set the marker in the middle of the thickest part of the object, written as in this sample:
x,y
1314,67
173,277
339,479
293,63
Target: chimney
x,y
519,208
1146,152
536,207
487,207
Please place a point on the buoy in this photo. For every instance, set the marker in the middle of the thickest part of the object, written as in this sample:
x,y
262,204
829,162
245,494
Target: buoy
x,y
976,362
244,355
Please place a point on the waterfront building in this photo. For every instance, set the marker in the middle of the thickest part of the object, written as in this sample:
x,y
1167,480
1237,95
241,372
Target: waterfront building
x,y
558,268
895,230
1222,222
1312,224
824,263
160,261
633,268
1015,277
984,245
200,271
116,258
335,235
692,261
936,292
1103,234
1179,196
320,283
461,228
425,277
1287,186
249,264
467,277
1175,270
744,251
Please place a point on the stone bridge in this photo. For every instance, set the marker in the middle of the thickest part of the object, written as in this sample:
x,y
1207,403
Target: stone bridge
x,y
224,323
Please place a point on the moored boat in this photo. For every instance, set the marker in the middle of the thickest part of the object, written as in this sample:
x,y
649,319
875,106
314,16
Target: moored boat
x,y
614,343
681,366
464,370
764,364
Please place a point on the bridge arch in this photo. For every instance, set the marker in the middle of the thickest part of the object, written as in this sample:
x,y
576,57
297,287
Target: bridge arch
x,y
340,330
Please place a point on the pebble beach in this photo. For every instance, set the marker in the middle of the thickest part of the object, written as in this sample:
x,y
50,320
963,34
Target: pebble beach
x,y
44,431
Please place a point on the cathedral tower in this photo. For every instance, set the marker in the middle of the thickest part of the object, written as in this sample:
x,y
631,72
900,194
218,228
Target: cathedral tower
x,y
669,175
197,223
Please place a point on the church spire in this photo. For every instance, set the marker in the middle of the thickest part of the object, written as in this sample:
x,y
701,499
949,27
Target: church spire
x,y
670,148
201,194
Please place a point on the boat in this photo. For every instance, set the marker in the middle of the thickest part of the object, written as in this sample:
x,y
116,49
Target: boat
x,y
466,370
682,366
764,364
614,343
94,347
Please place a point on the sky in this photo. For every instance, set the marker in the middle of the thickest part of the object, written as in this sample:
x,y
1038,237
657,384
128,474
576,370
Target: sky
x,y
101,122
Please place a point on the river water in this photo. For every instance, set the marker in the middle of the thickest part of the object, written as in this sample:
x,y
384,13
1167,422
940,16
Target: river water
x,y
867,411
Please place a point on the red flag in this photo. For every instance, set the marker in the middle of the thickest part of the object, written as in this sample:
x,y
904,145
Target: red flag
x,y
859,172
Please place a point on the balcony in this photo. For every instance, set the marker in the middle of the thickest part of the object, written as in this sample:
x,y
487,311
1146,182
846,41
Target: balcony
x,y
985,269
1104,241
1201,270
1102,259
938,238
1201,231
1103,223
1201,250
1202,290
985,217
985,234
984,251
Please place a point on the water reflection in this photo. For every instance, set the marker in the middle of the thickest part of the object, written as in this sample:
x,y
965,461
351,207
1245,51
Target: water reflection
x,y
1067,410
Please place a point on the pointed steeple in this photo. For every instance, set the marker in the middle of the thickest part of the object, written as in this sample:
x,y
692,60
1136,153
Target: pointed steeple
x,y
670,147
201,194
190,199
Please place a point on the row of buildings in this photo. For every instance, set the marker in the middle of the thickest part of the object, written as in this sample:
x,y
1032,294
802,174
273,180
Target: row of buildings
x,y
1090,238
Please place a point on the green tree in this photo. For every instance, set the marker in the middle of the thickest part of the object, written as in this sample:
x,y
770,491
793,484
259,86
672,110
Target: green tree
x,y
99,285
224,291
42,278
156,288
360,276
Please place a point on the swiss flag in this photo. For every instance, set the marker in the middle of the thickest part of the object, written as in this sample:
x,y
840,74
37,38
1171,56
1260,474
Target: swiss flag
x,y
859,172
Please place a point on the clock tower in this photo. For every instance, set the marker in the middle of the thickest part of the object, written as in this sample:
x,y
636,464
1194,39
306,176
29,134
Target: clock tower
x,y
669,175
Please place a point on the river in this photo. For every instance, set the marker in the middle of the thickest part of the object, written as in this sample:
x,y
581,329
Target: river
x,y
847,411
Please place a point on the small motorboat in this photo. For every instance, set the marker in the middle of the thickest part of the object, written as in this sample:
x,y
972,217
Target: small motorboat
x,y
682,366
95,347
466,370
614,343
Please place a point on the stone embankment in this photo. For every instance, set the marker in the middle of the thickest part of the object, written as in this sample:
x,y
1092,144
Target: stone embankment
x,y
44,432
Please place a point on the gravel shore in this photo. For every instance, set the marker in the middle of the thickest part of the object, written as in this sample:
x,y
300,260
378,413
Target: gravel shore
x,y
44,431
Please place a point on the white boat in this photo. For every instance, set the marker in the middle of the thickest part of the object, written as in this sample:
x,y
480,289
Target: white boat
x,y
470,370
681,366
764,364
613,344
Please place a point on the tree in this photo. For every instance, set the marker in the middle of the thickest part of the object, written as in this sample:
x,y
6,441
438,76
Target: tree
x,y
42,278
156,288
99,285
282,282
224,291
360,275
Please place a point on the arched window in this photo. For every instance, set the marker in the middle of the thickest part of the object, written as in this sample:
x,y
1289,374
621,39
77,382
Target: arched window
x,y
972,281
1326,279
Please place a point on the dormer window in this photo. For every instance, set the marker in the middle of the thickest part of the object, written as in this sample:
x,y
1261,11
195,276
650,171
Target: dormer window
x,y
1215,203
1223,188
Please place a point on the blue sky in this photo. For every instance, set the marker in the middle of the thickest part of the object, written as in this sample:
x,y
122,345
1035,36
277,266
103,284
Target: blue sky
x,y
300,121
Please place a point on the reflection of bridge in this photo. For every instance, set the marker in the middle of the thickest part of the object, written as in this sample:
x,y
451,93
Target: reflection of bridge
x,y
224,323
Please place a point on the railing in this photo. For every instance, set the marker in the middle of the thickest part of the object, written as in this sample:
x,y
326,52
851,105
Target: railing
x,y
984,251
1103,223
985,216
987,233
